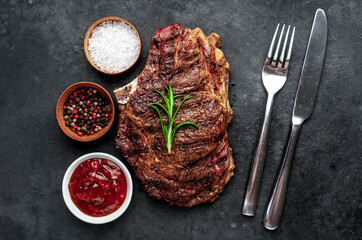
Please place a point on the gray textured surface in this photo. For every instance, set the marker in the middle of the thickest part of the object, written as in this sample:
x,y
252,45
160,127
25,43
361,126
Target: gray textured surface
x,y
41,54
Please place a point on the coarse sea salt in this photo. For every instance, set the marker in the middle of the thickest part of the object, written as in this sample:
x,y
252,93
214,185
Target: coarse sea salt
x,y
113,46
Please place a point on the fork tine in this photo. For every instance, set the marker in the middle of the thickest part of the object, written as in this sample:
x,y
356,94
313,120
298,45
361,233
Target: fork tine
x,y
281,58
278,46
270,52
290,45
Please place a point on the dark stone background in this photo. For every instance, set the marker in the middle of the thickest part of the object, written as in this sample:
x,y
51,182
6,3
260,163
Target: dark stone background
x,y
41,54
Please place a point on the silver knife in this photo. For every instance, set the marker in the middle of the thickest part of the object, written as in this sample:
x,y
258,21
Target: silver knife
x,y
303,108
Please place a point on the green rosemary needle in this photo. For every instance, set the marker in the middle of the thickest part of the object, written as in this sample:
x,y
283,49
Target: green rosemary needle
x,y
169,131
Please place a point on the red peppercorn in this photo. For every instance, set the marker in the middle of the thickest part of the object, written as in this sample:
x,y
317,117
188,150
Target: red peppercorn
x,y
87,106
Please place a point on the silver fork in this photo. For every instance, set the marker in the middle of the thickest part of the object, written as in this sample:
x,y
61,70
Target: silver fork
x,y
274,76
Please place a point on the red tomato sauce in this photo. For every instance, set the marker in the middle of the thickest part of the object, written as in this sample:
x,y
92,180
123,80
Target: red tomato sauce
x,y
98,187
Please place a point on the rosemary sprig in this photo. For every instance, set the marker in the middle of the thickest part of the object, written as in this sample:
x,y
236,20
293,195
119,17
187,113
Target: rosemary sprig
x,y
168,131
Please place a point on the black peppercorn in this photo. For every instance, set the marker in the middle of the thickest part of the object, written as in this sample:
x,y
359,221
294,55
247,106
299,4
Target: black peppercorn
x,y
86,111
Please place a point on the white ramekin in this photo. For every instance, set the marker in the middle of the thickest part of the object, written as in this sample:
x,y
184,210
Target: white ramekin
x,y
73,208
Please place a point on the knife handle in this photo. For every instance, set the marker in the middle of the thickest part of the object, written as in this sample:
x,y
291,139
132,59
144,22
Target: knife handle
x,y
257,164
275,206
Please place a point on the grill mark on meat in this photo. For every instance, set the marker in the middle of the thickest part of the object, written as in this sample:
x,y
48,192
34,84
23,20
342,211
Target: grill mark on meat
x,y
201,161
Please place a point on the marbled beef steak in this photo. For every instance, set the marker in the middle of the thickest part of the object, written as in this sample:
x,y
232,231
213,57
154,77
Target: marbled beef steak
x,y
201,161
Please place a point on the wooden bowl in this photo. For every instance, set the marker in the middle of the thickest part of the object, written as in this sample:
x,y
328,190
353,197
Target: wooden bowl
x,y
89,34
59,111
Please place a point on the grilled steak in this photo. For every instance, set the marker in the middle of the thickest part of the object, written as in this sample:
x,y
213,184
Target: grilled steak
x,y
201,161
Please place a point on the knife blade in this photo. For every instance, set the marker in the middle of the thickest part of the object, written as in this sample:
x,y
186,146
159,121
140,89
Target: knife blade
x,y
302,110
312,68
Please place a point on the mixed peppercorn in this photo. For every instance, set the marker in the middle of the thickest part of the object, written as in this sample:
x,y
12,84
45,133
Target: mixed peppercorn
x,y
86,111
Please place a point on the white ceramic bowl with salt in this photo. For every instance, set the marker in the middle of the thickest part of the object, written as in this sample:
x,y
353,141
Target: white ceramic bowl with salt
x,y
112,45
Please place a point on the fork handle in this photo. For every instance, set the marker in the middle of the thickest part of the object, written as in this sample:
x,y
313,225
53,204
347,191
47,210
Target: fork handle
x,y
274,210
257,164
